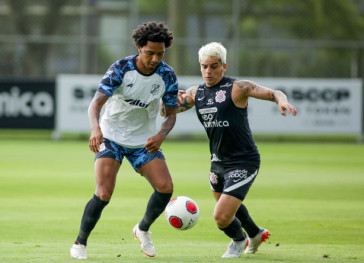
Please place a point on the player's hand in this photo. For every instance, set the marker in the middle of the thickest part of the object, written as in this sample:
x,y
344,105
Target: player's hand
x,y
154,143
283,107
180,96
95,140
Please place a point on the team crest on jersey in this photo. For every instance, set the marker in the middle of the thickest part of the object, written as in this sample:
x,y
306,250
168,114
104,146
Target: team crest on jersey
x,y
220,96
213,178
155,89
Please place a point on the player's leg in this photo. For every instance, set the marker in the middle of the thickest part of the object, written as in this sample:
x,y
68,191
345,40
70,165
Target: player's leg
x,y
226,205
246,221
238,182
256,234
224,215
107,165
242,214
157,173
106,170
154,168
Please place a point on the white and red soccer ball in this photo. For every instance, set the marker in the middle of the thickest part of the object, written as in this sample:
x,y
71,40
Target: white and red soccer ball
x,y
182,213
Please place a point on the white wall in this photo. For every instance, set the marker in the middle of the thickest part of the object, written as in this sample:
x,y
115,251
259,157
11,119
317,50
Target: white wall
x,y
325,106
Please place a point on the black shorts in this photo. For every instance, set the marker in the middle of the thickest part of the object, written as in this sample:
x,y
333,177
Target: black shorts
x,y
232,180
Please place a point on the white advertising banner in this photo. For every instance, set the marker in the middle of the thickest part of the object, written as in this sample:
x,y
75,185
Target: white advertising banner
x,y
325,106
330,106
74,94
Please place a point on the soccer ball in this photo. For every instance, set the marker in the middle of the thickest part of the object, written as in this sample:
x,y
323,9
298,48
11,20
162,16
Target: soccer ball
x,y
182,213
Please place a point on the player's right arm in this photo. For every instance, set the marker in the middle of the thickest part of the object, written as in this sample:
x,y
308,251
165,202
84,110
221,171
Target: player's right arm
x,y
185,101
94,111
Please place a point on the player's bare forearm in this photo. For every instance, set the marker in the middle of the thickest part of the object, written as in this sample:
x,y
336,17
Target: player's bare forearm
x,y
169,121
94,110
153,143
279,97
162,109
248,88
185,105
185,101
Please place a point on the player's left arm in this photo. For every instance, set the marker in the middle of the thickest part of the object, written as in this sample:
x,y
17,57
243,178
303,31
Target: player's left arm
x,y
185,101
153,143
247,88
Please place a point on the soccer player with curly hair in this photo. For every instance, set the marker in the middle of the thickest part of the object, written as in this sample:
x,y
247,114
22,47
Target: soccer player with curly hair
x,y
130,92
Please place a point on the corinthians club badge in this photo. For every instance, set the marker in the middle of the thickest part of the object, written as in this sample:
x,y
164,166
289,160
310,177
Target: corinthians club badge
x,y
220,96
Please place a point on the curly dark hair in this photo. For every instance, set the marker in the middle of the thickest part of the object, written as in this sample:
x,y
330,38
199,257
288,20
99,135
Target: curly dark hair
x,y
152,31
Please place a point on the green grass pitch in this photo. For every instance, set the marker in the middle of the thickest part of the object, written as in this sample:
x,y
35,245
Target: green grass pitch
x,y
309,195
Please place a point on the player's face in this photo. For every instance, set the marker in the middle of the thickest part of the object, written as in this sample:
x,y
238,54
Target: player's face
x,y
212,70
149,56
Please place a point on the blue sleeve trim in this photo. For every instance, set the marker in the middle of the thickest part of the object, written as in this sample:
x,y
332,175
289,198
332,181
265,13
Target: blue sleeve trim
x,y
114,75
170,79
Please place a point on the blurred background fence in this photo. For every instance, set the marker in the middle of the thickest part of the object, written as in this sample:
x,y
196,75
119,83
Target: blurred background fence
x,y
41,39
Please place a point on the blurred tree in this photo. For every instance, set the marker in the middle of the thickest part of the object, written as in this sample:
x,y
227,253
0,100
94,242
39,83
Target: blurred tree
x,y
178,21
267,29
325,29
265,38
35,52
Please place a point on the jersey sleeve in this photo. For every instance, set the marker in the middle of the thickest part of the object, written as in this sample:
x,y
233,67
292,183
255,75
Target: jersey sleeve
x,y
112,78
170,95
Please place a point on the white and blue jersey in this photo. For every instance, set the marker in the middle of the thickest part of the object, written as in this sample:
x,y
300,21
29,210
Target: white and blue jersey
x,y
130,112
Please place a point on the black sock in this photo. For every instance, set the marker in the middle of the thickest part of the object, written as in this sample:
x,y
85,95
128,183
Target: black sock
x,y
156,205
90,217
246,221
234,230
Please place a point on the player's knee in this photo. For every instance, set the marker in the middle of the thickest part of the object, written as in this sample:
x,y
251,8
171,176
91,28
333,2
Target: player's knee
x,y
166,187
222,220
104,196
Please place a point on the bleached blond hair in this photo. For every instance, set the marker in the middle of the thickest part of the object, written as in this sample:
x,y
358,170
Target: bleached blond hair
x,y
212,49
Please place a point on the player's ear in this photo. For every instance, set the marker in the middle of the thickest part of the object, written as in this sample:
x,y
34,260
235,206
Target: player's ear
x,y
224,66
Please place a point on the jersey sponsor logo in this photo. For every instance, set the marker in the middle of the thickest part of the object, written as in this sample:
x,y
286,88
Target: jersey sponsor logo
x,y
208,110
238,175
226,85
220,96
210,102
137,103
213,178
207,117
216,123
208,114
155,89
130,85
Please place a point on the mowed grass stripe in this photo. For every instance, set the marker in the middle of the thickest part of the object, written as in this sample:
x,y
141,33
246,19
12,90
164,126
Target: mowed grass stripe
x,y
309,195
